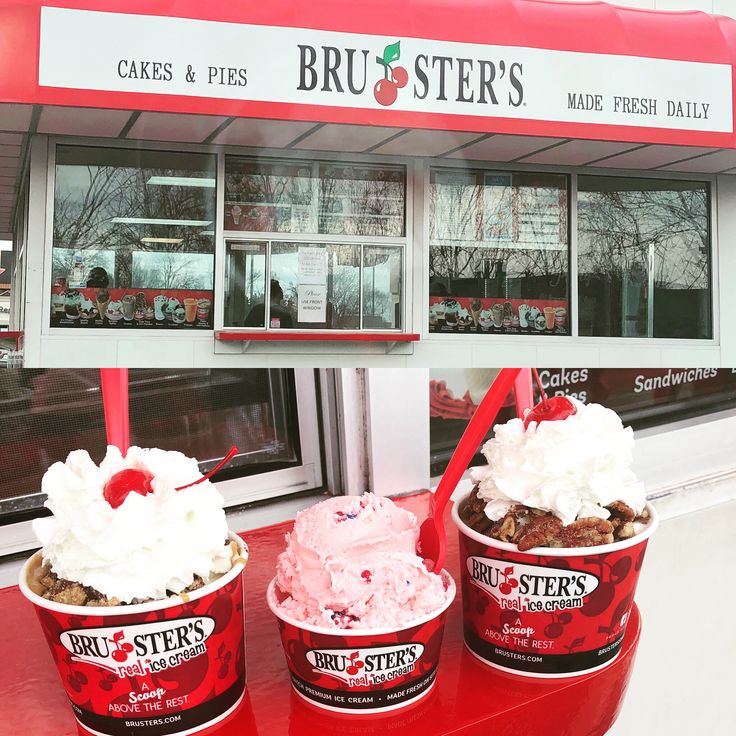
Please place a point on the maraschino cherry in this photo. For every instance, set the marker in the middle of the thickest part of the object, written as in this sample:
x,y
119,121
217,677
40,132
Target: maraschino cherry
x,y
124,482
133,480
549,410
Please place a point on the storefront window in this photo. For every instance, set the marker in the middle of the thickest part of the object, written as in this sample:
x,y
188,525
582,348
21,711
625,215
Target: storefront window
x,y
201,413
642,398
382,269
133,239
498,260
315,283
314,198
644,258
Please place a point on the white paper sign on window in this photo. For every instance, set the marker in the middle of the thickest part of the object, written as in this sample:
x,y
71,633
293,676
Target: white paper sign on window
x,y
313,266
312,303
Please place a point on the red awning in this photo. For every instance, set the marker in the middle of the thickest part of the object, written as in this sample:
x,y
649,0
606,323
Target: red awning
x,y
481,38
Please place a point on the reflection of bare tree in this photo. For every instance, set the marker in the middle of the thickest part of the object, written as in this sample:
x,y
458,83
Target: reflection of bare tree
x,y
361,201
90,200
171,271
500,226
620,230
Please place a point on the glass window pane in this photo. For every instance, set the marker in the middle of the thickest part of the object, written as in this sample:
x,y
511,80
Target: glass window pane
x,y
361,200
133,228
268,196
312,198
315,286
498,252
642,397
644,258
245,284
201,413
382,287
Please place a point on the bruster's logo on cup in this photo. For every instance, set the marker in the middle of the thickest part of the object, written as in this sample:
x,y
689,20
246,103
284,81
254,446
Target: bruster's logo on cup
x,y
367,665
142,648
522,587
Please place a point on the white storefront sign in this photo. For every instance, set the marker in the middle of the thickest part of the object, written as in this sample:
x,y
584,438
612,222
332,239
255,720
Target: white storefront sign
x,y
117,52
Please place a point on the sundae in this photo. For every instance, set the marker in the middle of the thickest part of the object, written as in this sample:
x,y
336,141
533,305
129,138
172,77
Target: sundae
x,y
138,590
72,304
103,299
561,477
114,311
451,312
133,529
351,563
475,310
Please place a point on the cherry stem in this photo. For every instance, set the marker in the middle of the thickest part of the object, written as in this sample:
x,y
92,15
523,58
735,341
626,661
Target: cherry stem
x,y
535,373
230,455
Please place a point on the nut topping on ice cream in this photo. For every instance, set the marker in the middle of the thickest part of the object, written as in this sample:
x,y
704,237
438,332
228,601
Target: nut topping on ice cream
x,y
351,562
561,483
123,530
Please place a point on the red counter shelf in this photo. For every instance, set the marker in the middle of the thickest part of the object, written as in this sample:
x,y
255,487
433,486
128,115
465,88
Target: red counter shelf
x,y
468,699
390,339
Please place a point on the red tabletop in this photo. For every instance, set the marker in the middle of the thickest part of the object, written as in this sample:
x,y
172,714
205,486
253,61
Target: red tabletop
x,y
469,698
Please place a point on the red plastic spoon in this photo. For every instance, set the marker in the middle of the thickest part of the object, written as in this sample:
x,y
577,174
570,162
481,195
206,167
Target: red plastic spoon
x,y
114,383
432,535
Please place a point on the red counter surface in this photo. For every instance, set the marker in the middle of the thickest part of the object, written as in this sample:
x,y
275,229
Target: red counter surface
x,y
468,698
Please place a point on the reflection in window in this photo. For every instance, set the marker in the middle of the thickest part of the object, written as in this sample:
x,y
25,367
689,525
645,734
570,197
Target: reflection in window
x,y
198,412
313,285
498,252
130,219
644,258
245,279
312,198
381,287
317,286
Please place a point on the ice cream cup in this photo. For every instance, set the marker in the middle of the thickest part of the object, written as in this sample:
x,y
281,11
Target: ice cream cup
x,y
172,666
360,671
547,612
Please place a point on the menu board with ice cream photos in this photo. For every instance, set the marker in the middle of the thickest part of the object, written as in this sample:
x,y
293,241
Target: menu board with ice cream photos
x,y
180,309
498,316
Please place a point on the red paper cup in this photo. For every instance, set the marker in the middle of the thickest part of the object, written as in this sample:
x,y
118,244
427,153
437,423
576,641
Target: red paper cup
x,y
363,671
547,612
173,666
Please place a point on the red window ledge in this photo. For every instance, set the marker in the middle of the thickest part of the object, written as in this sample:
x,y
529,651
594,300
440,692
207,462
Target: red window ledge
x,y
389,338
469,698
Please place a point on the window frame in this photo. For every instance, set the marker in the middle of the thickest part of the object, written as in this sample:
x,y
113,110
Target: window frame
x,y
311,239
52,144
272,486
43,165
574,338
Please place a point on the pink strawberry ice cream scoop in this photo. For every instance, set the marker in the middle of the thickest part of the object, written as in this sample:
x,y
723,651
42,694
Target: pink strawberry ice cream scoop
x,y
350,563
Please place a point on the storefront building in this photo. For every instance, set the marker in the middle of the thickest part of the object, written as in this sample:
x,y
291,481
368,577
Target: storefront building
x,y
476,184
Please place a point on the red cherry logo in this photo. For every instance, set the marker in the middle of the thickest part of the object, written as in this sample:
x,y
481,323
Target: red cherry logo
x,y
400,76
126,481
385,92
554,409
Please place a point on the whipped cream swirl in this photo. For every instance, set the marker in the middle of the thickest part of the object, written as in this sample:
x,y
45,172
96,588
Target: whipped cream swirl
x,y
148,545
572,468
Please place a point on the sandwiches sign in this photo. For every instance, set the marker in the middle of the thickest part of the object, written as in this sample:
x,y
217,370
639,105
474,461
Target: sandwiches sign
x,y
297,66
